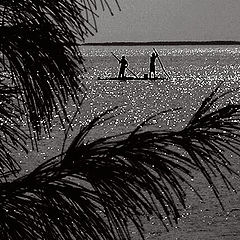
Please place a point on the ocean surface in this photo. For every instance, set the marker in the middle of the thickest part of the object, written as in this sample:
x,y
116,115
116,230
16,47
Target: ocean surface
x,y
194,72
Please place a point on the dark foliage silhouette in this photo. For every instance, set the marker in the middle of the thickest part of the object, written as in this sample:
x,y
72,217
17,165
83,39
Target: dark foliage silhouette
x,y
40,56
94,188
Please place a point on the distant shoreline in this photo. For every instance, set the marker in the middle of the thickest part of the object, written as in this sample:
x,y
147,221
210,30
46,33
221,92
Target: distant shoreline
x,y
163,43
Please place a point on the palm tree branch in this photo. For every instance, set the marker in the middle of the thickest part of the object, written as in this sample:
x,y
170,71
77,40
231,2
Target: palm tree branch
x,y
124,178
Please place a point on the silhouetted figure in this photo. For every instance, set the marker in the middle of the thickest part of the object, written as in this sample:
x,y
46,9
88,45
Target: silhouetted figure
x,y
152,65
123,66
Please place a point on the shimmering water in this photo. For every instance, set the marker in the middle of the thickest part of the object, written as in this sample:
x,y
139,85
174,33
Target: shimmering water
x,y
195,71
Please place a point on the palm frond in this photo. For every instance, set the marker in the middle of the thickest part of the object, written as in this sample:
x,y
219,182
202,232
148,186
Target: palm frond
x,y
12,137
98,187
70,16
39,45
40,57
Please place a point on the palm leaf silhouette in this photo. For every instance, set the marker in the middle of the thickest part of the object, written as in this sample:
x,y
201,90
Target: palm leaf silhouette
x,y
40,57
12,136
39,42
96,188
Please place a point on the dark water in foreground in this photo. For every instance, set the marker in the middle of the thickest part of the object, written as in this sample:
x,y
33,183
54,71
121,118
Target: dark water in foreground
x,y
195,71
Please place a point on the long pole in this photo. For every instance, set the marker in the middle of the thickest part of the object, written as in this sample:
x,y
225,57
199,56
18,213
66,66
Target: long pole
x,y
161,63
127,67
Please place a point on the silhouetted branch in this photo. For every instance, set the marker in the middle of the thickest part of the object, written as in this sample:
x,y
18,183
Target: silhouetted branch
x,y
40,56
12,136
99,186
39,42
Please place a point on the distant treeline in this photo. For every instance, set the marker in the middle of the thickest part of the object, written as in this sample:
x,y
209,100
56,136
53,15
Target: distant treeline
x,y
165,43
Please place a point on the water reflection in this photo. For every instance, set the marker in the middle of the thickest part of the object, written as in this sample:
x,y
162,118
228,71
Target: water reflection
x,y
195,72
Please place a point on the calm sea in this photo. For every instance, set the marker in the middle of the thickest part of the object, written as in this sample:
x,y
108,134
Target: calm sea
x,y
195,71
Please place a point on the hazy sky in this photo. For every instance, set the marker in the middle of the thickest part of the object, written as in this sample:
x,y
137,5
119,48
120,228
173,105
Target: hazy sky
x,y
160,20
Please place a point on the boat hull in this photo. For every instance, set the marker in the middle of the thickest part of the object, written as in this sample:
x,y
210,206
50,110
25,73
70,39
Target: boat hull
x,y
131,78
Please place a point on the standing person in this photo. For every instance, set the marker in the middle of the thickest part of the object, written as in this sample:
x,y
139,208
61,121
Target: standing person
x,y
152,65
123,66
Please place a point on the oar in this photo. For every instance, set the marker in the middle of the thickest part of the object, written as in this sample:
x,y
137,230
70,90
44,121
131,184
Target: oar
x,y
127,67
161,63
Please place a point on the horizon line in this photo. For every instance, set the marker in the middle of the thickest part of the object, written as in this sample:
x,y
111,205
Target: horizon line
x,y
163,43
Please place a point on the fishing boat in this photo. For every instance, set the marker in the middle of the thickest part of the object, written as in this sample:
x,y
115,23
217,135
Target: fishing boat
x,y
134,78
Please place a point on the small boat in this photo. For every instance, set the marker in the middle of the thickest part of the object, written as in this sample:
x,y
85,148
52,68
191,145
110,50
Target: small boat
x,y
133,78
